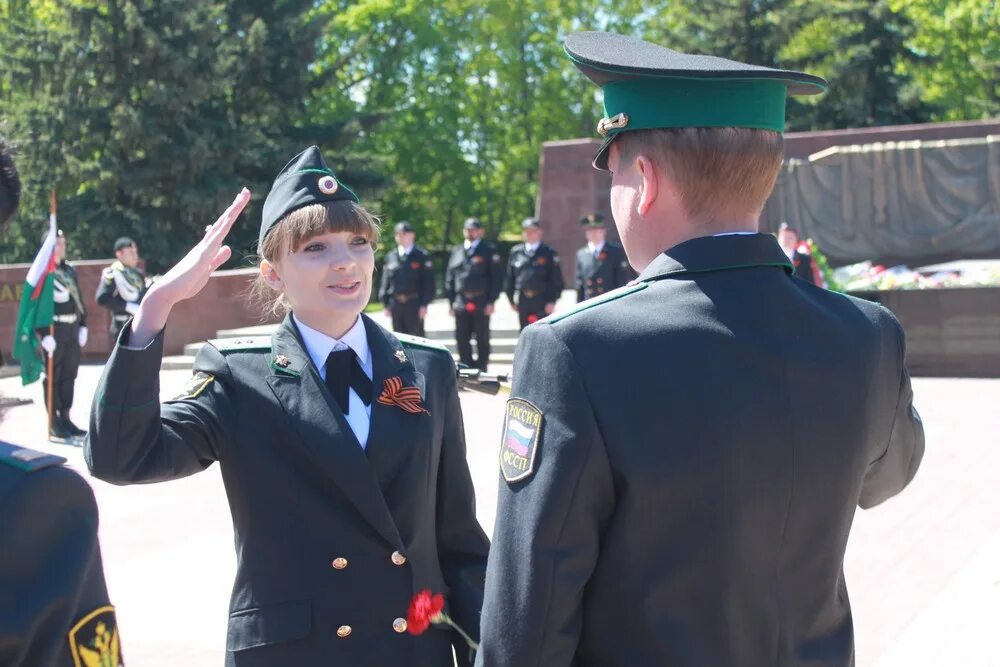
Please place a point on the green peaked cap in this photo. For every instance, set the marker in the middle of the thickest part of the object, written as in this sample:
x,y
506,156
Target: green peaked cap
x,y
305,180
647,86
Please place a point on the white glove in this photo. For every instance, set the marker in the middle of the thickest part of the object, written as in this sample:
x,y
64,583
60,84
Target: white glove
x,y
131,308
82,336
49,344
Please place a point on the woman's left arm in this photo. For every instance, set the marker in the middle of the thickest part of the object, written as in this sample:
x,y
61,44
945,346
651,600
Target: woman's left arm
x,y
462,544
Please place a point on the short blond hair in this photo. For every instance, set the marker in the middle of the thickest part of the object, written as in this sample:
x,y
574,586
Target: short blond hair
x,y
722,172
295,230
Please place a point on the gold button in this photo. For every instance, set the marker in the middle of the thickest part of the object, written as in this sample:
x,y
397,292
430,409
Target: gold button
x,y
339,563
398,558
344,630
399,625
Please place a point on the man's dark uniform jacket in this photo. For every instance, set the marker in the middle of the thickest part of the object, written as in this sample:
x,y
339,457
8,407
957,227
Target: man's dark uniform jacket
x,y
120,286
70,314
332,540
474,276
536,280
407,286
598,275
54,608
689,453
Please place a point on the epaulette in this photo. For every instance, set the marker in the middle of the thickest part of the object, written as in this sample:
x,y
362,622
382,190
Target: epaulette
x,y
117,266
596,301
26,459
241,344
416,341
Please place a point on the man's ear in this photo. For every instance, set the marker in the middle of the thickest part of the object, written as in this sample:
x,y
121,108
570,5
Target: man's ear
x,y
649,183
270,274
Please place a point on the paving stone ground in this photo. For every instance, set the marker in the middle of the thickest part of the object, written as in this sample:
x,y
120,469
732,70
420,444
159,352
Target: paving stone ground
x,y
923,570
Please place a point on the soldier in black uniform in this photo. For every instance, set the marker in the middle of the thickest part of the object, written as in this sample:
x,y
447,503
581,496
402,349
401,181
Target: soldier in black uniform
x,y
600,266
69,335
682,458
407,282
54,608
798,253
340,444
534,275
123,284
473,281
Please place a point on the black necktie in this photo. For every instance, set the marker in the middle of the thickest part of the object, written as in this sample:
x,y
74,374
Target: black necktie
x,y
343,372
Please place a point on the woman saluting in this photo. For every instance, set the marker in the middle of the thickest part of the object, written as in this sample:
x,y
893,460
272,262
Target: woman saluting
x,y
342,450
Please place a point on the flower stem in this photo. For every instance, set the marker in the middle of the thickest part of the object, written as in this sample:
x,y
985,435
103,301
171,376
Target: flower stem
x,y
444,618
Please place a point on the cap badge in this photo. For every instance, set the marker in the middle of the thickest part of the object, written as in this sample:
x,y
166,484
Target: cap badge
x,y
328,185
616,122
282,361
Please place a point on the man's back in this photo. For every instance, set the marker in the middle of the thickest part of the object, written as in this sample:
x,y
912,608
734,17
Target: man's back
x,y
696,476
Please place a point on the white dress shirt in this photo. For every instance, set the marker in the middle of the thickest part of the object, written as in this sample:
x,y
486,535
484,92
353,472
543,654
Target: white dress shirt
x,y
594,249
319,346
403,252
471,245
530,248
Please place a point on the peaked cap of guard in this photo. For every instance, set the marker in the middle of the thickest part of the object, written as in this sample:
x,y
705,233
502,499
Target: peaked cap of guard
x,y
305,180
647,86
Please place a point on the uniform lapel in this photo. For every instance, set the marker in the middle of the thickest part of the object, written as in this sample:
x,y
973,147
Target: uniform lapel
x,y
394,432
323,430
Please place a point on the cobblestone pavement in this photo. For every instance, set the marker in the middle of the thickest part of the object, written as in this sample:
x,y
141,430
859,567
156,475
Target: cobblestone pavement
x,y
923,570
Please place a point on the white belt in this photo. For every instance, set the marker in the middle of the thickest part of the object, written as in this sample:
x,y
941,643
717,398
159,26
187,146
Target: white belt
x,y
66,319
121,318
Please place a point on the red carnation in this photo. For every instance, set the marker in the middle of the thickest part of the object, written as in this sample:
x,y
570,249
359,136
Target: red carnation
x,y
424,610
532,318
470,307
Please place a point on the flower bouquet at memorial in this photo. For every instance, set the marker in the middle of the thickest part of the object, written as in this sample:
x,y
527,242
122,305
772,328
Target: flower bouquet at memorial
x,y
427,609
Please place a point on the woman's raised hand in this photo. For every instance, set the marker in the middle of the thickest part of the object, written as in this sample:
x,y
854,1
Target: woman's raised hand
x,y
187,277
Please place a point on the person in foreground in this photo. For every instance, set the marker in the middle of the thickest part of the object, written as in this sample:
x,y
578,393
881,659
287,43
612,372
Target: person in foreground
x,y
682,458
54,607
342,448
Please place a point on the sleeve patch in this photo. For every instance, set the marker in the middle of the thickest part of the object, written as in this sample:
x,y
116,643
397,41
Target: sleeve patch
x,y
197,384
521,430
94,640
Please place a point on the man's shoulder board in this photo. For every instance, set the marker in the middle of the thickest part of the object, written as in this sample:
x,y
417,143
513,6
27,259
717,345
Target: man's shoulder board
x,y
241,344
408,340
519,445
26,459
596,301
197,384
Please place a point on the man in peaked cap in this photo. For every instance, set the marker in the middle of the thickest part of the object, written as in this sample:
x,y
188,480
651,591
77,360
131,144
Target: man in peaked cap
x,y
534,276
123,284
407,285
682,457
54,608
473,281
600,266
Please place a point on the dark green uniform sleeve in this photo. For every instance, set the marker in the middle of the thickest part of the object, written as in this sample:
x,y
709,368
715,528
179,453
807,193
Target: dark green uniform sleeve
x,y
509,278
496,274
462,544
383,289
428,286
135,439
556,284
51,575
579,278
547,534
896,467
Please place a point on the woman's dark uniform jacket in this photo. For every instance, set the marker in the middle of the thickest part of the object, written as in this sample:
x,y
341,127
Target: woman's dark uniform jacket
x,y
706,436
54,607
332,541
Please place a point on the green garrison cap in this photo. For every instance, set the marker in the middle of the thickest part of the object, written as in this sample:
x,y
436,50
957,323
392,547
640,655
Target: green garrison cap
x,y
647,86
305,180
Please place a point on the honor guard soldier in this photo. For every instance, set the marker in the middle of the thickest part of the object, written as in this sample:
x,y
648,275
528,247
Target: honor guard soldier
x,y
473,281
600,266
340,443
69,335
407,285
533,275
54,608
122,285
682,457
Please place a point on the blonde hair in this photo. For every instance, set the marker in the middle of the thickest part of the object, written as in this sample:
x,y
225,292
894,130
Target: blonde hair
x,y
721,171
298,227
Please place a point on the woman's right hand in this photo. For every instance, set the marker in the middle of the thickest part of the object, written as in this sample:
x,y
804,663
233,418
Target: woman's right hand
x,y
188,277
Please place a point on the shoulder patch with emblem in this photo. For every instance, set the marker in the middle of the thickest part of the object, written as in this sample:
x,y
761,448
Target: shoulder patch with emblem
x,y
596,301
94,641
521,430
197,384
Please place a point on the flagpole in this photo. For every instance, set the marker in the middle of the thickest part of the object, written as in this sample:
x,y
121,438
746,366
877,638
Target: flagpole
x,y
52,330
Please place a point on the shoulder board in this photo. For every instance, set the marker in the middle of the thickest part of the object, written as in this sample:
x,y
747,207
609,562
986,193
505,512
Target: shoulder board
x,y
416,341
117,266
26,459
596,301
241,344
